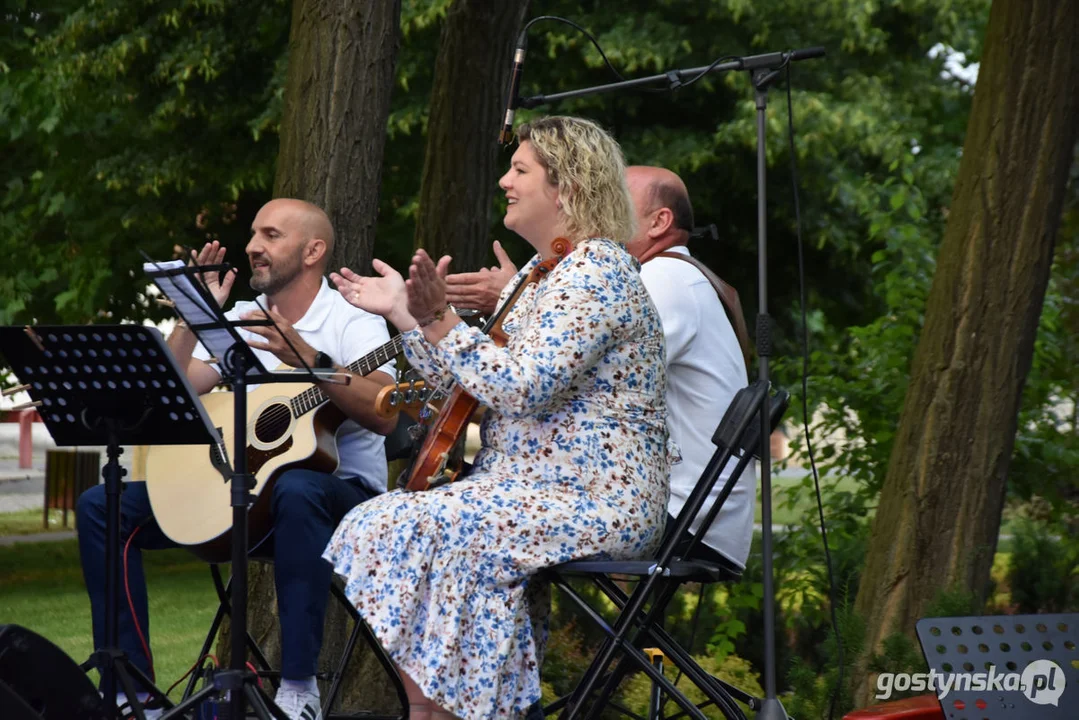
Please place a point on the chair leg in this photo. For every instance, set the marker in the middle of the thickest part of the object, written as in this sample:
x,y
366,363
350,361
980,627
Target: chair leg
x,y
360,629
336,677
634,631
618,640
682,659
342,665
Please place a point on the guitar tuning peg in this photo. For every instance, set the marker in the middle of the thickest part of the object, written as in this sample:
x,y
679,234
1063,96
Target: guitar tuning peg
x,y
395,398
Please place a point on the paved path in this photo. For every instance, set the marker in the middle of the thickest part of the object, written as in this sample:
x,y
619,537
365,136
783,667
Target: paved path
x,y
16,482
8,540
24,488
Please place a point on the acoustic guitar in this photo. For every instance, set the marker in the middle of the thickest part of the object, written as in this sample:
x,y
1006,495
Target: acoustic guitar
x,y
288,425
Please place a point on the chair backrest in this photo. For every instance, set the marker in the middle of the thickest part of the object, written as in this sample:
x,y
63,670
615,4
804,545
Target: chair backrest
x,y
737,435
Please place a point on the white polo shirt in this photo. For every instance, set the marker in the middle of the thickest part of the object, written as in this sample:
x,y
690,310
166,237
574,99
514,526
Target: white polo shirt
x,y
705,370
346,334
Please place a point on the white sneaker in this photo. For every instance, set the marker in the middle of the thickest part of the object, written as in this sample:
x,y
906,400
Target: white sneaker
x,y
127,712
299,705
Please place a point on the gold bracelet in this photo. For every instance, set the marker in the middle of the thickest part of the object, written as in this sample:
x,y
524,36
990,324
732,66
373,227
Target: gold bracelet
x,y
439,314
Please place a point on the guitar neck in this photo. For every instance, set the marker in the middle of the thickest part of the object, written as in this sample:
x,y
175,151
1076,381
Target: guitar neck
x,y
313,397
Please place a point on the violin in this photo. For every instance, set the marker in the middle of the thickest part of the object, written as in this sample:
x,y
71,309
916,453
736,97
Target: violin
x,y
439,459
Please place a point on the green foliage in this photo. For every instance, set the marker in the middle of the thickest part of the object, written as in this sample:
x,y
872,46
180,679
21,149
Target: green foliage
x,y
637,691
953,602
732,603
566,658
803,587
813,684
132,126
1043,573
860,378
166,129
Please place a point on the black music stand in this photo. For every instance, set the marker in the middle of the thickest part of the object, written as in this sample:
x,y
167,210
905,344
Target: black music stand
x,y
1023,666
239,366
108,385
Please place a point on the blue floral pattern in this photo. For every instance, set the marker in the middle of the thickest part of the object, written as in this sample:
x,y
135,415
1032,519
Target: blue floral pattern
x,y
573,464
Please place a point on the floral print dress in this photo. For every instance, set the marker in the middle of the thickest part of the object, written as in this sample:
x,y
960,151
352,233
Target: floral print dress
x,y
573,464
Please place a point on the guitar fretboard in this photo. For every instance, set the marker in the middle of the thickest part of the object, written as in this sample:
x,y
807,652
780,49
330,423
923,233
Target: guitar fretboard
x,y
312,397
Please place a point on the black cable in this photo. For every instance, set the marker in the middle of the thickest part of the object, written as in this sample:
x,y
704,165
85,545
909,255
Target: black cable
x,y
524,32
805,394
533,21
708,69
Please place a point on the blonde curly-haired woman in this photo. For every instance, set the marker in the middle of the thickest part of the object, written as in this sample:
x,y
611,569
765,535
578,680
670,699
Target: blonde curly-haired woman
x,y
573,461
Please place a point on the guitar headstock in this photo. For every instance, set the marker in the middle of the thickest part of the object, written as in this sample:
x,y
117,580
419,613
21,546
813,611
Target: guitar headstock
x,y
407,397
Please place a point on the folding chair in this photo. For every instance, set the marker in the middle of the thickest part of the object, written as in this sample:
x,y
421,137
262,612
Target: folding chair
x,y
397,446
640,613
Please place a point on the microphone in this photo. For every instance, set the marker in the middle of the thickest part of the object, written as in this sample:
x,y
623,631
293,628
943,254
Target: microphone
x,y
515,84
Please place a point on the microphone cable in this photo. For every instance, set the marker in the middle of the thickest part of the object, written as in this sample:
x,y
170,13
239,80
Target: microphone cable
x,y
805,395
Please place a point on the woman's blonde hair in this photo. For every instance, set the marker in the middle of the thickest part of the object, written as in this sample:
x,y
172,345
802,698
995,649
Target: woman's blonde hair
x,y
587,166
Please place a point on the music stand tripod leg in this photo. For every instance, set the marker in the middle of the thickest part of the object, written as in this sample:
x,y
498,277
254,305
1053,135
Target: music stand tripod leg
x,y
111,661
109,385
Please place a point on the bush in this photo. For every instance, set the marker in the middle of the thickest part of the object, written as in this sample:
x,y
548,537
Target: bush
x,y
1044,569
637,691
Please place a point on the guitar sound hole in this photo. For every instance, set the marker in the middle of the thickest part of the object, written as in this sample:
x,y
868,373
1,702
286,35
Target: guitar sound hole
x,y
273,422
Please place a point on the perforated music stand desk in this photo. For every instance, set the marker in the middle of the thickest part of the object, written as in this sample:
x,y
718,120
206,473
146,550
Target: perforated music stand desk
x,y
86,375
1030,661
108,385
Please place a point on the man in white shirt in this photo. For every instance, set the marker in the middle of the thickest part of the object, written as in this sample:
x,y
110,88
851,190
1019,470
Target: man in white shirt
x,y
705,363
291,242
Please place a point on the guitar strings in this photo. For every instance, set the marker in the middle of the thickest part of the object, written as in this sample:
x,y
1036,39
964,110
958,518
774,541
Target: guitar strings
x,y
288,408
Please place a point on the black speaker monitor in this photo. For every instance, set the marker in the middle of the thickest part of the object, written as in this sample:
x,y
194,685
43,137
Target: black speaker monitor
x,y
38,681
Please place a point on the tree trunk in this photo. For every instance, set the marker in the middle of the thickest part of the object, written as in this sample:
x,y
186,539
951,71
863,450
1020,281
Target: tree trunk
x,y
461,165
337,100
939,514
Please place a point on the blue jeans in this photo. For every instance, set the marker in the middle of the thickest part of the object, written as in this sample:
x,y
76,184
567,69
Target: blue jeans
x,y
306,507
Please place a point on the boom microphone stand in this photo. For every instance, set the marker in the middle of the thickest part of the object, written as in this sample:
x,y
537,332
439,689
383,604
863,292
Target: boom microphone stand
x,y
763,71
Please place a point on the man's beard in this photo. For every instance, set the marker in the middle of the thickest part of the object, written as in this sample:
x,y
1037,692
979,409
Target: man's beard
x,y
277,277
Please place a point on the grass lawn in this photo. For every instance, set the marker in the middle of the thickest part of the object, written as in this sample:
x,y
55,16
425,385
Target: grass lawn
x,y
41,588
29,522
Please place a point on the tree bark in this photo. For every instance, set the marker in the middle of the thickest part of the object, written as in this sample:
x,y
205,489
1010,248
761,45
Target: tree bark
x,y
939,514
337,100
468,102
